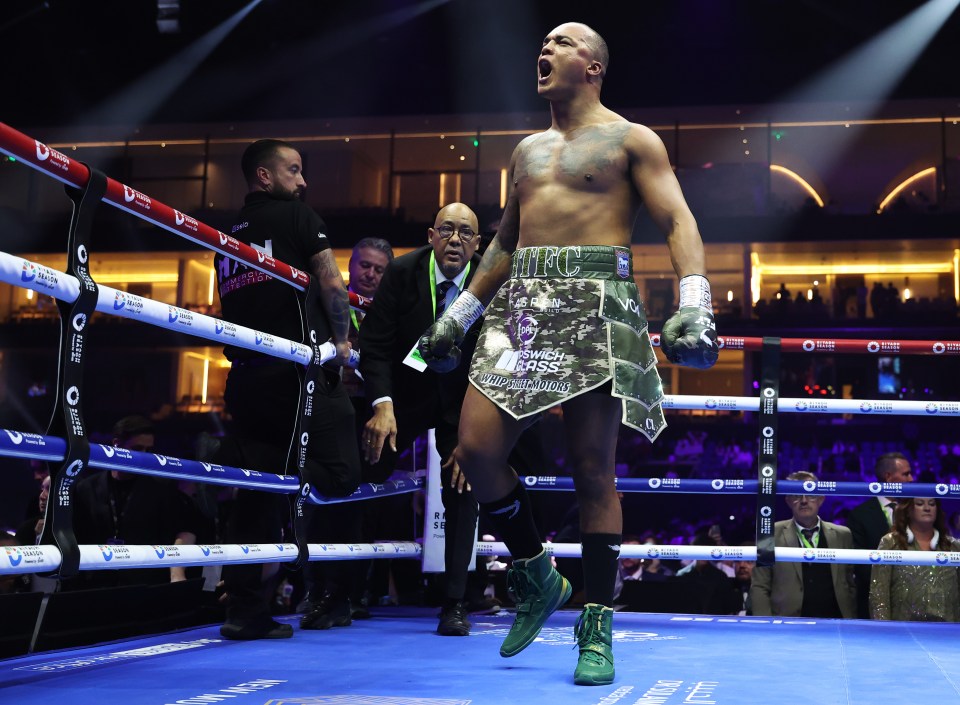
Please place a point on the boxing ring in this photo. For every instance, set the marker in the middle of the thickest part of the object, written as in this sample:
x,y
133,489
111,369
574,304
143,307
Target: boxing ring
x,y
396,657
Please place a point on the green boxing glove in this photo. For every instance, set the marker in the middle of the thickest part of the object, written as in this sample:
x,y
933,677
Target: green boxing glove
x,y
440,345
689,336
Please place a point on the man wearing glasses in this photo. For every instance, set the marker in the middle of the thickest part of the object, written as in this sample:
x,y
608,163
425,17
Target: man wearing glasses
x,y
407,398
823,590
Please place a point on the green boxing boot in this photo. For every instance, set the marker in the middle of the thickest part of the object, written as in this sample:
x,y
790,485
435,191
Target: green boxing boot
x,y
594,634
539,591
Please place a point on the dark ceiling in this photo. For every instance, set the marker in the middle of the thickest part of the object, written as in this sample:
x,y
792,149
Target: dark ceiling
x,y
65,60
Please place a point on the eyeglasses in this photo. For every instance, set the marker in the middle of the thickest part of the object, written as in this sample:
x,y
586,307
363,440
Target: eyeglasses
x,y
446,232
794,498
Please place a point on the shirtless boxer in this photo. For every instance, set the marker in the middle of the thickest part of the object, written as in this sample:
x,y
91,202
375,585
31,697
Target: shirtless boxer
x,y
567,327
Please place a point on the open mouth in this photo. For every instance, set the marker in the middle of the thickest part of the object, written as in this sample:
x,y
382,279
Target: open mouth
x,y
544,68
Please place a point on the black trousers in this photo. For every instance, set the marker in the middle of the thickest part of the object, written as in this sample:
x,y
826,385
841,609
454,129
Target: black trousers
x,y
262,400
386,518
461,508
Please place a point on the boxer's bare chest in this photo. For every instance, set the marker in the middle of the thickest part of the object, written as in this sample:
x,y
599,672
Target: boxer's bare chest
x,y
591,158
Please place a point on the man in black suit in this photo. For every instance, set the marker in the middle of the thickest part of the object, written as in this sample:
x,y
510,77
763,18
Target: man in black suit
x,y
328,583
408,398
869,521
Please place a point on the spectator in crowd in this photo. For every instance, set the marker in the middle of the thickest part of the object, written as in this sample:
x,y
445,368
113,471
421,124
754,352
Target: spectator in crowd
x,y
870,521
708,536
809,589
877,299
368,262
654,571
861,300
916,592
116,508
631,569
28,534
714,591
949,457
892,298
743,578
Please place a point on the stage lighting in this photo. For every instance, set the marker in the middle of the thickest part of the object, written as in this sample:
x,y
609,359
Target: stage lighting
x,y
168,16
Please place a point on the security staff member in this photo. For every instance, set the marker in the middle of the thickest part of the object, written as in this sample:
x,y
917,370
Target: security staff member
x,y
263,393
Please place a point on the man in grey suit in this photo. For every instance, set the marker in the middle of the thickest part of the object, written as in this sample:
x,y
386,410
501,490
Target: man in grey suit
x,y
825,590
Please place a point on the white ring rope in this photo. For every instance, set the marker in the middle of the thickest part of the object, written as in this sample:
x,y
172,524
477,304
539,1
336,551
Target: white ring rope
x,y
34,559
749,553
696,485
39,559
874,407
44,280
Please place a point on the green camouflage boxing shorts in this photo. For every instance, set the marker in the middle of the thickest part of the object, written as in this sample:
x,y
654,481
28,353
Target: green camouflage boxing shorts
x,y
567,321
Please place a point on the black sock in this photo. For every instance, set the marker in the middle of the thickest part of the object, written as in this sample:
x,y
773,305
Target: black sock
x,y
513,519
601,554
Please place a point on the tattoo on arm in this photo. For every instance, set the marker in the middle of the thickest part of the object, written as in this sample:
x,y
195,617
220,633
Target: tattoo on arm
x,y
333,293
493,271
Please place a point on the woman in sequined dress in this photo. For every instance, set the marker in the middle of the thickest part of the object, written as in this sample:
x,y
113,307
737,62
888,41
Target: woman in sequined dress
x,y
919,593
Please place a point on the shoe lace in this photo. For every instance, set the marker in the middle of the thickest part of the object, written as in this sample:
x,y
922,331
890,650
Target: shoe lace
x,y
587,631
519,585
586,628
328,605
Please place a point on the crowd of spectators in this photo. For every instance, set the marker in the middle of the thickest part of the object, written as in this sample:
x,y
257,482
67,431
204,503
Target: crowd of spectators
x,y
880,304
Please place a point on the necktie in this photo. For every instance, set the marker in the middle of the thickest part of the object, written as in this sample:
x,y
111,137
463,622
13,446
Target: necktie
x,y
890,507
808,535
442,289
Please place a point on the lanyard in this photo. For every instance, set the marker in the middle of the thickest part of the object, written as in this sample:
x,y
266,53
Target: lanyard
x,y
353,317
433,280
807,544
115,515
116,519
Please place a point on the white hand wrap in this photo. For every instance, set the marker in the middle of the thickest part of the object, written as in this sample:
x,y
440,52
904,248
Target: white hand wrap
x,y
695,292
465,310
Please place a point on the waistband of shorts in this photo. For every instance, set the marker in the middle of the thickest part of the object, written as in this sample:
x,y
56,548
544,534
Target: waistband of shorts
x,y
572,262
